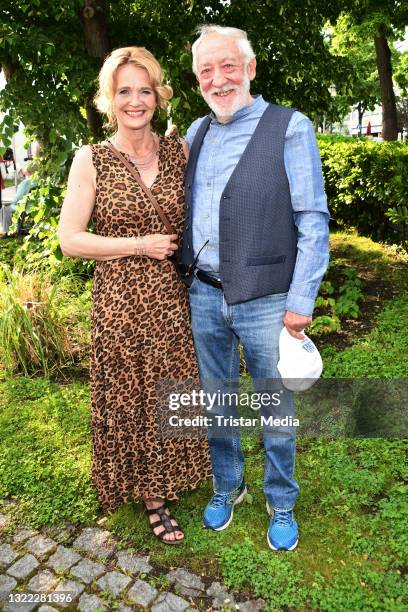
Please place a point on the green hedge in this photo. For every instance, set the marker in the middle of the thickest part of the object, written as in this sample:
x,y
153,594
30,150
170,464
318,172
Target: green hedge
x,y
364,181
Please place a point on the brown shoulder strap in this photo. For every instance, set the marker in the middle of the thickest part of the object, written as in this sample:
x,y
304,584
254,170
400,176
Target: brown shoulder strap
x,y
147,191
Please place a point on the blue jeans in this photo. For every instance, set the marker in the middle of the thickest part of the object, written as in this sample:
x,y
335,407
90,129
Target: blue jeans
x,y
218,328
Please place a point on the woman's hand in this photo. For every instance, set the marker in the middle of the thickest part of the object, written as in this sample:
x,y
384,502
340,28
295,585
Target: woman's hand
x,y
157,246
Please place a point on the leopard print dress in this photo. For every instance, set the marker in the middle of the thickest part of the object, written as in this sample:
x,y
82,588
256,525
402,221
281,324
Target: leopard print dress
x,y
140,335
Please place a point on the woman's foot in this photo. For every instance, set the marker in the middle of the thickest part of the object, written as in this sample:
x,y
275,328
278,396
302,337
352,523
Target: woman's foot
x,y
164,526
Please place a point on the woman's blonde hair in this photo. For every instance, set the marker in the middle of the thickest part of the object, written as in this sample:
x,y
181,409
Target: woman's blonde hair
x,y
139,57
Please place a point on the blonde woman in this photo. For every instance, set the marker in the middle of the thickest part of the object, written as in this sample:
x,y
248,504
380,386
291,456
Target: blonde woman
x,y
140,316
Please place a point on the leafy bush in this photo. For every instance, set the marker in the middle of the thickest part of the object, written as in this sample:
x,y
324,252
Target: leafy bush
x,y
339,138
43,326
41,208
364,181
345,306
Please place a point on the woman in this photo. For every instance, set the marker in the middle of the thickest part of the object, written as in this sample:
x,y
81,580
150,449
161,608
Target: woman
x,y
140,316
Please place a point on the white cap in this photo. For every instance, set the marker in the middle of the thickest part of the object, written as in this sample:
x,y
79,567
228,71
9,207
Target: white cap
x,y
300,364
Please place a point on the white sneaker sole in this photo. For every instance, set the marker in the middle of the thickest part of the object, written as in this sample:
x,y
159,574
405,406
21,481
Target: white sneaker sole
x,y
237,501
267,535
274,547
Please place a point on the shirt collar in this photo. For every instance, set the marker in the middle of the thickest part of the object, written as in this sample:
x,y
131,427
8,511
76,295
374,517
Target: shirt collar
x,y
243,112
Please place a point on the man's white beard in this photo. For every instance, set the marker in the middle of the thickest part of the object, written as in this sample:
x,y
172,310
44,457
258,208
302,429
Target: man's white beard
x,y
239,101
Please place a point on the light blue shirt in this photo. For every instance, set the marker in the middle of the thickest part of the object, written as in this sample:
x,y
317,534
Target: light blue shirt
x,y
221,150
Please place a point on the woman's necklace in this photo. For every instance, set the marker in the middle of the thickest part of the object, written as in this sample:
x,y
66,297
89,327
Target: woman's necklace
x,y
145,161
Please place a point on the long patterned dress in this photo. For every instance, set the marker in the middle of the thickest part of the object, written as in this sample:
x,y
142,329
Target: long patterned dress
x,y
140,335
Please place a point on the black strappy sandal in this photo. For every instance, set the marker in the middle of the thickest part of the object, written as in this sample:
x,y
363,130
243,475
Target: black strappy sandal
x,y
164,521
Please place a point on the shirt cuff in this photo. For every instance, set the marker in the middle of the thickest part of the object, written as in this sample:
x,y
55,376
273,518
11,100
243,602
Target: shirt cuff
x,y
300,304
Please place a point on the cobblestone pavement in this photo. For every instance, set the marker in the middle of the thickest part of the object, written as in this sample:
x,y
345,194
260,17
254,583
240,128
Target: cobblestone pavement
x,y
85,569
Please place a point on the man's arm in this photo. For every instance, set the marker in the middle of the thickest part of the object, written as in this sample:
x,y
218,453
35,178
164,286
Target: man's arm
x,y
311,217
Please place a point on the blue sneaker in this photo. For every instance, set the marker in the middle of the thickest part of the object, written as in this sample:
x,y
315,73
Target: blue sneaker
x,y
283,531
220,509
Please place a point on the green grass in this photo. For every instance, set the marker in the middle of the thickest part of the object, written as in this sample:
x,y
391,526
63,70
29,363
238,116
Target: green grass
x,y
383,353
388,262
352,508
44,325
45,450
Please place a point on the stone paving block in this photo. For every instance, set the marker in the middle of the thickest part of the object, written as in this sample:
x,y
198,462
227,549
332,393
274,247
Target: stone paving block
x,y
7,584
40,546
63,558
188,584
89,603
123,608
133,564
47,609
62,536
141,593
114,583
168,602
23,567
43,581
15,606
71,587
220,595
22,535
56,533
7,555
87,570
96,541
254,605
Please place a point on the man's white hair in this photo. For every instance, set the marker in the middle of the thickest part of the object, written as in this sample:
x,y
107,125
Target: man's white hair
x,y
240,37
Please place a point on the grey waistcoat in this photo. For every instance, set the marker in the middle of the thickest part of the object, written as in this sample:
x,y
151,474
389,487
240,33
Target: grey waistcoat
x,y
258,238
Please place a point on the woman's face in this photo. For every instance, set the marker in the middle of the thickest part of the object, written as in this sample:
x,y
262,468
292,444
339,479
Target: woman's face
x,y
134,100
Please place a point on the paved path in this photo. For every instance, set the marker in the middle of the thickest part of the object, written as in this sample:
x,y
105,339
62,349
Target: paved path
x,y
86,570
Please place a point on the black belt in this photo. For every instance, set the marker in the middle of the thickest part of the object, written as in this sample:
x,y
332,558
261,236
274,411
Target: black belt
x,y
206,278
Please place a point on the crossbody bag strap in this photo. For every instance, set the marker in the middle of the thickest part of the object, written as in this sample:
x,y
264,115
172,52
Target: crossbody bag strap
x,y
147,191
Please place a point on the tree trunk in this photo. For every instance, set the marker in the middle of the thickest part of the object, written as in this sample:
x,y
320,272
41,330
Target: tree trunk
x,y
95,29
9,69
98,46
93,119
384,66
360,111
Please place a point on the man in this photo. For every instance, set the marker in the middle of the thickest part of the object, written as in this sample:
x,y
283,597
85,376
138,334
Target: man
x,y
256,234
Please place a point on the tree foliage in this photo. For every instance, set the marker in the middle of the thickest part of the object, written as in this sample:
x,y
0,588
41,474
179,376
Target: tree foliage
x,y
386,21
401,73
51,53
354,43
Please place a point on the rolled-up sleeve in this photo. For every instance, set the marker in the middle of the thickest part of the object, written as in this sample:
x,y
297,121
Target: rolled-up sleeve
x,y
310,214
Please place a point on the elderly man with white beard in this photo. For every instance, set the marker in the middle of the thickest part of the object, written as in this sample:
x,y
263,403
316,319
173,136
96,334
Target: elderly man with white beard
x,y
255,245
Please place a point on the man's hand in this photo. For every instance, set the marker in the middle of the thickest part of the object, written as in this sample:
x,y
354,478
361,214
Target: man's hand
x,y
294,323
